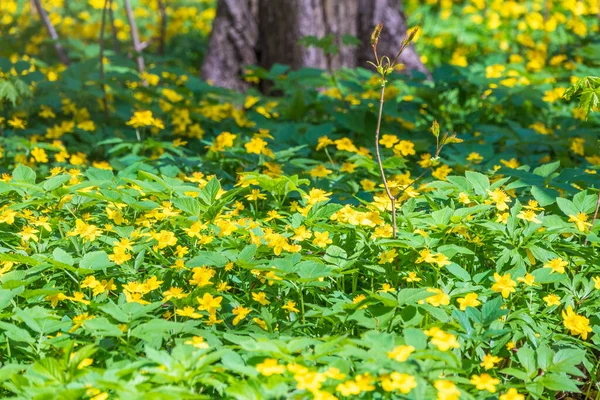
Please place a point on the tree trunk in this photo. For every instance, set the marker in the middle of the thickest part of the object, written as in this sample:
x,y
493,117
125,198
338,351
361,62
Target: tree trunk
x,y
232,44
266,32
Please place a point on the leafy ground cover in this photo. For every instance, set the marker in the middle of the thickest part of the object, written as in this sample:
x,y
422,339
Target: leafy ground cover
x,y
190,242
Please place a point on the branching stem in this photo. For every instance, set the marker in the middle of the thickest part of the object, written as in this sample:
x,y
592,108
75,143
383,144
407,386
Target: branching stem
x,y
379,163
137,47
62,54
102,86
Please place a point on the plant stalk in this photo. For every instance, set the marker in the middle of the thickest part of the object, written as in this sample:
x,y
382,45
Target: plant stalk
x,y
379,163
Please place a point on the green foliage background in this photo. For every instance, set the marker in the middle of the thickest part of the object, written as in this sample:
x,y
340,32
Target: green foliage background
x,y
192,242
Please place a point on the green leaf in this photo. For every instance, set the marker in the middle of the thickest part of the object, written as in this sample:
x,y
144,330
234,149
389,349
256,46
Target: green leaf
x,y
209,259
459,272
412,296
311,270
100,327
7,295
23,174
526,357
559,382
567,360
566,206
55,182
62,256
95,260
480,182
544,196
491,310
8,92
15,333
209,192
188,205
547,169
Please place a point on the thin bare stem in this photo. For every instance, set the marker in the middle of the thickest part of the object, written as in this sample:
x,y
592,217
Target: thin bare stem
x,y
102,86
62,54
134,36
379,163
113,28
163,27
411,184
595,216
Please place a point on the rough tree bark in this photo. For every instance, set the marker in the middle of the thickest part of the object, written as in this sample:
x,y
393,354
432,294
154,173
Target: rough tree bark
x,y
232,43
266,32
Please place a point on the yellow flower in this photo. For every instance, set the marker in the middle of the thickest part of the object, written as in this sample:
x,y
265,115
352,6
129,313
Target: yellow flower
x,y
485,382
209,303
165,238
240,313
16,123
323,142
580,221
87,231
174,293
512,163
552,300
316,196
463,198
550,96
261,298
290,306
86,362
528,215
425,256
442,340
446,390
310,381
397,381
405,147
529,279
440,298
489,361
142,119
367,185
198,342
387,256
401,353
501,199
270,366
322,239
255,146
386,287
189,312
577,324
596,280
504,284
470,300
39,155
557,265
348,388
223,141
301,233
412,277
503,218
512,394
255,195
388,141
476,158
320,172
29,233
